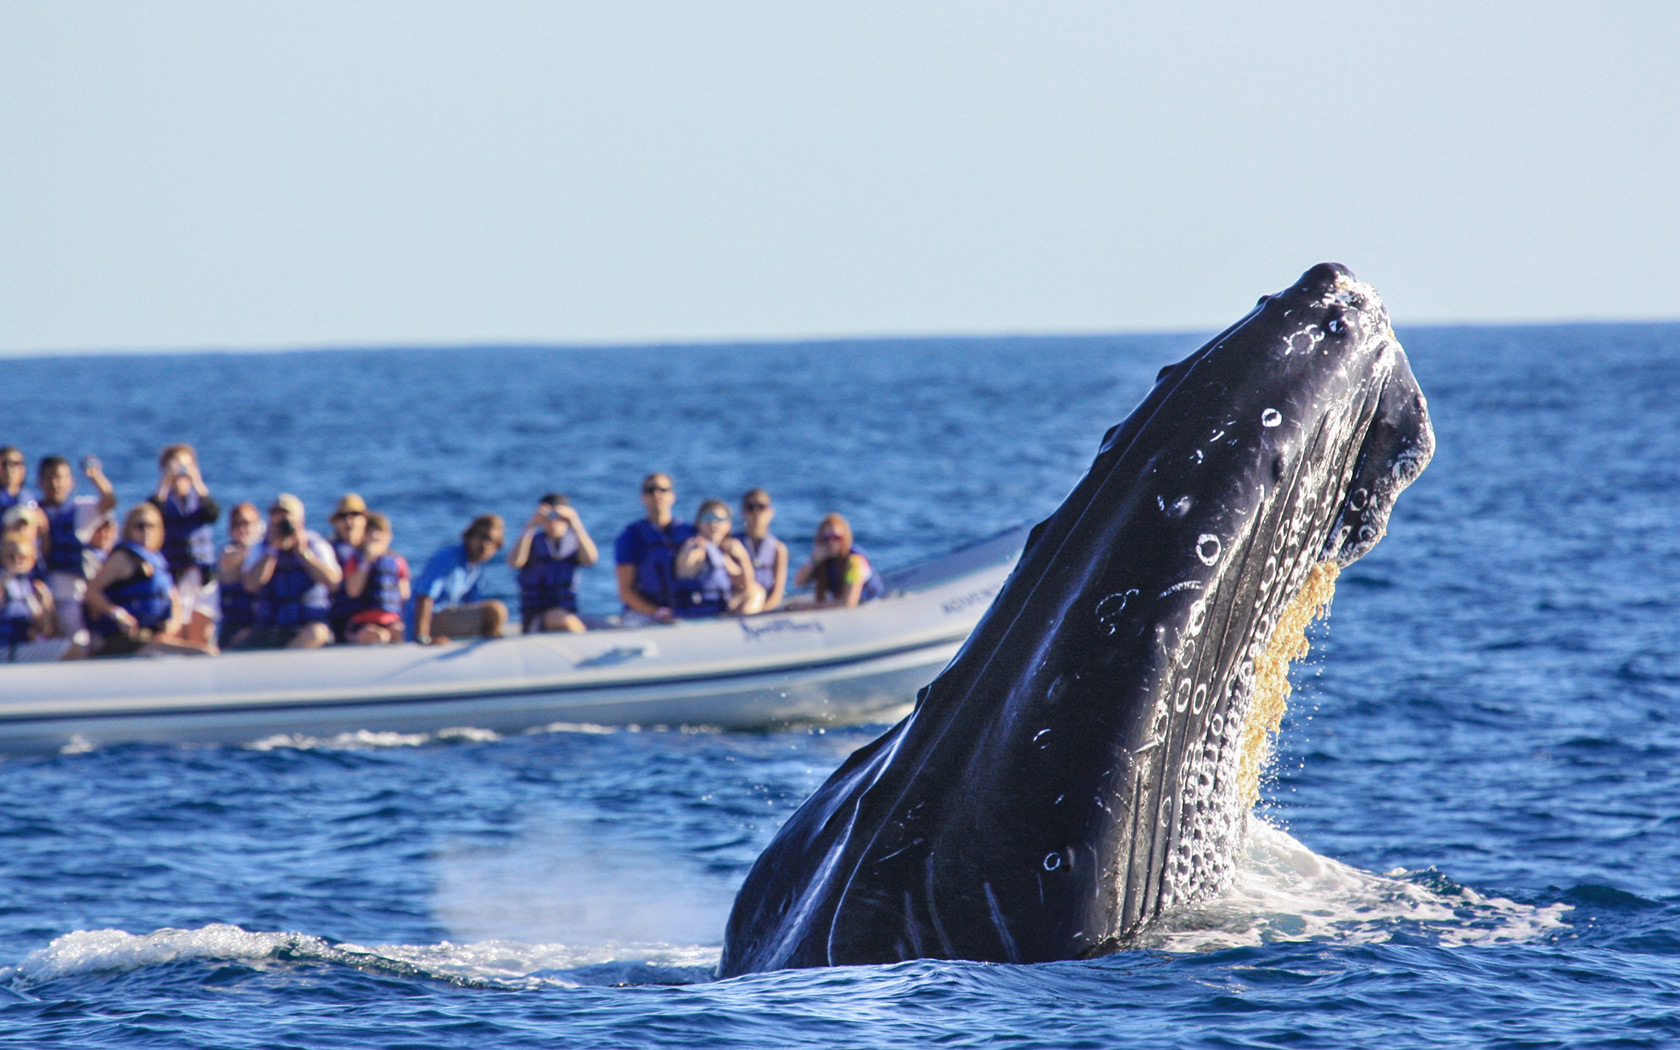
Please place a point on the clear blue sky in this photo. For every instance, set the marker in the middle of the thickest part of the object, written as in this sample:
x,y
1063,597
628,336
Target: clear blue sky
x,y
184,175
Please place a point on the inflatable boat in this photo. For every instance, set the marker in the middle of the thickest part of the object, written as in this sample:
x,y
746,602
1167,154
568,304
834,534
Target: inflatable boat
x,y
829,666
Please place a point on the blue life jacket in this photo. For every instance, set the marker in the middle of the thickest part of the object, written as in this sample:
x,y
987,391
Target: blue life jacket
x,y
144,595
65,553
656,573
8,500
281,602
384,585
18,613
832,574
706,594
545,582
763,559
180,525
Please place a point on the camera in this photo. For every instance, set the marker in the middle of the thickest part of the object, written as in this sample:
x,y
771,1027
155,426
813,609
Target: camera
x,y
284,527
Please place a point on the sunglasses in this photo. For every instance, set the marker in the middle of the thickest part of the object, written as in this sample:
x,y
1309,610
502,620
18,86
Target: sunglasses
x,y
755,506
648,490
713,517
829,537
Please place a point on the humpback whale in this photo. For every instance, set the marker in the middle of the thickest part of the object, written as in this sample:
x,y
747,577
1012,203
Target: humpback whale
x,y
1090,756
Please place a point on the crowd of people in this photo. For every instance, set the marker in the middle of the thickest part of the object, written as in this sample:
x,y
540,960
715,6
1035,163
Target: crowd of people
x,y
76,585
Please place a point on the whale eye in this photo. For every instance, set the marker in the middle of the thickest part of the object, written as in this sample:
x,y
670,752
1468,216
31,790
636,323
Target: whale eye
x,y
1336,326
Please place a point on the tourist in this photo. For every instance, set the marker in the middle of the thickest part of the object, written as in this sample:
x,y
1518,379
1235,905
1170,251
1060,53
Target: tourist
x,y
290,576
245,532
14,473
26,605
840,573
349,523
447,603
68,521
131,600
769,555
714,571
645,553
102,539
377,579
189,540
551,548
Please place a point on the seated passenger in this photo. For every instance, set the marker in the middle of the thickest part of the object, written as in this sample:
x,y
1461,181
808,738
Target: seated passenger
x,y
839,572
26,606
245,532
349,522
446,602
131,601
377,580
548,553
14,472
289,576
714,570
769,555
645,552
69,520
101,541
189,540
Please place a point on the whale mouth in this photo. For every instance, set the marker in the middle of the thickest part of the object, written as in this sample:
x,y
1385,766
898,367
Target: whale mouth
x,y
1269,698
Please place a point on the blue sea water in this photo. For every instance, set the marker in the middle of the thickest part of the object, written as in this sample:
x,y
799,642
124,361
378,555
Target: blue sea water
x,y
1471,836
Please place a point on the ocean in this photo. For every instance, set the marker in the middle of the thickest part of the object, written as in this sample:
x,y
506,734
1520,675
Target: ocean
x,y
1470,835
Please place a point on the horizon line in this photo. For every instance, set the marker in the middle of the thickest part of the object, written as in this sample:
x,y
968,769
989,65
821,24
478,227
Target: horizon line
x,y
659,343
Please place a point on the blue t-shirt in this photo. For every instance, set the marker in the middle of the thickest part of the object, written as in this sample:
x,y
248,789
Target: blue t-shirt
x,y
653,552
449,579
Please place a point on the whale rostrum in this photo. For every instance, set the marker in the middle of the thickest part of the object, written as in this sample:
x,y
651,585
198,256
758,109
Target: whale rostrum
x,y
1091,755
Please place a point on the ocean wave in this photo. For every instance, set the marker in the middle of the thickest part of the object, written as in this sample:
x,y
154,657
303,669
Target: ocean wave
x,y
494,964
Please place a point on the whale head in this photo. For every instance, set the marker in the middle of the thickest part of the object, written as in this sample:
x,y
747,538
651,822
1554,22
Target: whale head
x,y
1089,758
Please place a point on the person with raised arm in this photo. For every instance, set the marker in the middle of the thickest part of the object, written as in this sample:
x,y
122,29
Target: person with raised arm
x,y
349,524
290,576
377,579
714,570
551,548
839,573
189,540
68,521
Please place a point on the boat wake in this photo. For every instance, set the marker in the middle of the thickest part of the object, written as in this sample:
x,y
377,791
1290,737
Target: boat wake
x,y
1283,893
369,740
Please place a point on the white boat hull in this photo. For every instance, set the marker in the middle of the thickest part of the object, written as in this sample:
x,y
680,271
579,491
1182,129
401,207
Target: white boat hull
x,y
822,667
